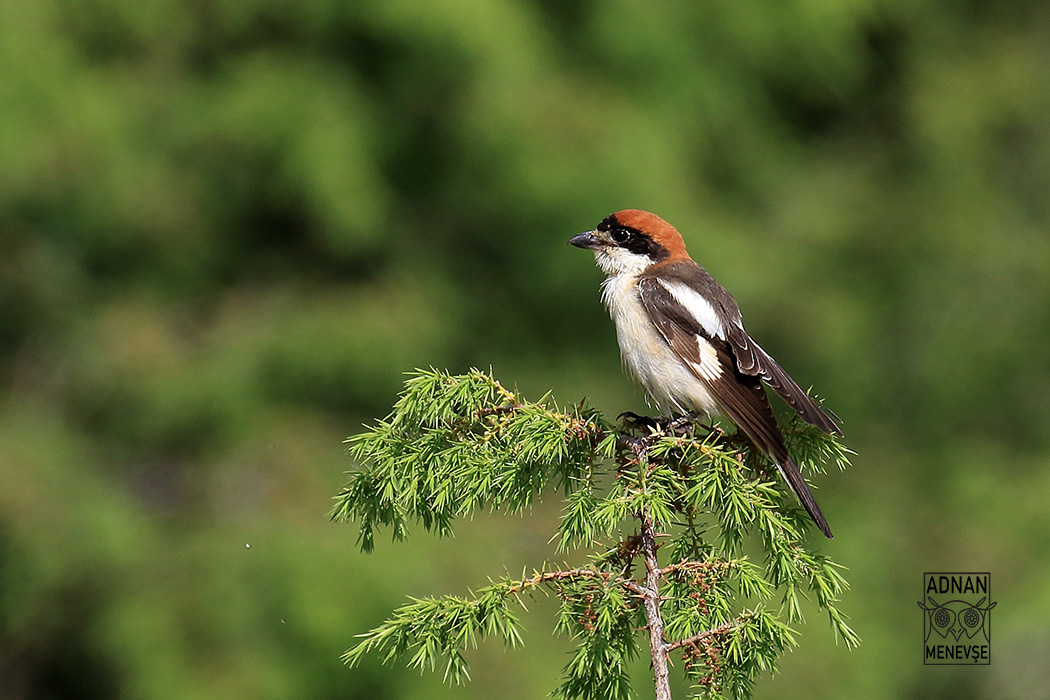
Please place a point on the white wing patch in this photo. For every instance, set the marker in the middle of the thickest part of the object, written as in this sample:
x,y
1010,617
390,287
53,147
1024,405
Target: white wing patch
x,y
698,307
708,367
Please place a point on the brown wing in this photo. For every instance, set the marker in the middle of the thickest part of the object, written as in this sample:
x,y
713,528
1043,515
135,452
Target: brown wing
x,y
739,395
750,358
753,360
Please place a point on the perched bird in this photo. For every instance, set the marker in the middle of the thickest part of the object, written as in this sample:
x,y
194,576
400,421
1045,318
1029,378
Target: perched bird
x,y
681,336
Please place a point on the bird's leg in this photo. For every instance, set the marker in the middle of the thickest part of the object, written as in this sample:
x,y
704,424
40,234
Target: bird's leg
x,y
632,419
668,424
683,424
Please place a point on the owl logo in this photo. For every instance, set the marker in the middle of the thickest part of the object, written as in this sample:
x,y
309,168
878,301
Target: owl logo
x,y
958,618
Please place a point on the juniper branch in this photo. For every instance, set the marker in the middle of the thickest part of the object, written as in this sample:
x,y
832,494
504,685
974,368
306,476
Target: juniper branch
x,y
549,576
653,615
454,444
697,638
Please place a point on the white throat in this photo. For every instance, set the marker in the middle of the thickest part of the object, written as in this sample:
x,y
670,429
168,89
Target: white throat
x,y
617,261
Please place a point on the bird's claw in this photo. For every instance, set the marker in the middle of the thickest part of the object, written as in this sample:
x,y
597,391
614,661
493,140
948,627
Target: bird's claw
x,y
682,424
663,424
635,420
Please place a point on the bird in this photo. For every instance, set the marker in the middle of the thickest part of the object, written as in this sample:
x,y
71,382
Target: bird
x,y
681,336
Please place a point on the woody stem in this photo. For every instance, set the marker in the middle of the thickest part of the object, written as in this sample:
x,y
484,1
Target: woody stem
x,y
651,601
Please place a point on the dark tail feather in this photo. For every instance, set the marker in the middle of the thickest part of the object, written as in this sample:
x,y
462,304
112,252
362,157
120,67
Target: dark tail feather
x,y
746,404
805,496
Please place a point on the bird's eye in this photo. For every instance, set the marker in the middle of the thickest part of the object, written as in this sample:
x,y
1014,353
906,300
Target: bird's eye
x,y
620,235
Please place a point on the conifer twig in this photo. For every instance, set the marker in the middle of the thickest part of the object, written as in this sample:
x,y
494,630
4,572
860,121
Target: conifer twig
x,y
548,576
697,638
651,602
454,445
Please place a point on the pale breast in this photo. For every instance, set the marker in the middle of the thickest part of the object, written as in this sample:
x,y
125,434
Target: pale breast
x,y
648,357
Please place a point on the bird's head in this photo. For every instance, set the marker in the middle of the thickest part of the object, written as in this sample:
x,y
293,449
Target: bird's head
x,y
631,241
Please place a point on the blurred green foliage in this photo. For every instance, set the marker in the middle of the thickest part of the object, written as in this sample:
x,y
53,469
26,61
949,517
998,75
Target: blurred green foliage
x,y
227,228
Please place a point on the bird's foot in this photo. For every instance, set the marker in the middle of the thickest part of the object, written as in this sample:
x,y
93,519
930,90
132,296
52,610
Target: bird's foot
x,y
670,425
633,420
683,424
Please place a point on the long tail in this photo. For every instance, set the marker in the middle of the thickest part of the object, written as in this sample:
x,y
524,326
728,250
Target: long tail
x,y
751,411
794,478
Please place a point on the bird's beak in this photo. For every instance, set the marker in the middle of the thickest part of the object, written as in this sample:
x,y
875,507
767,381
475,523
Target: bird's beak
x,y
586,240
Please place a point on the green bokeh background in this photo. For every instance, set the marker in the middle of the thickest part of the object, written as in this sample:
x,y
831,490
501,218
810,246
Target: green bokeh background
x,y
228,227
